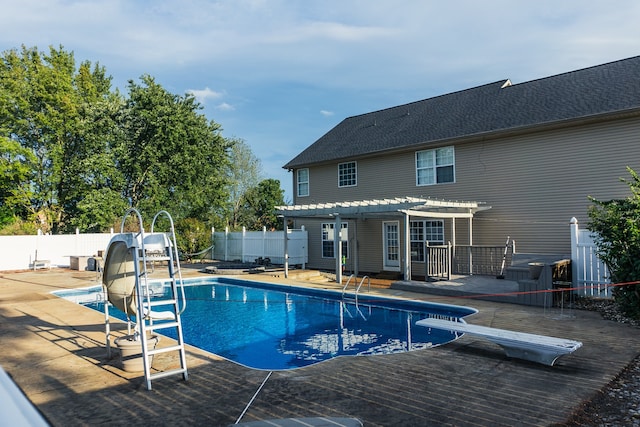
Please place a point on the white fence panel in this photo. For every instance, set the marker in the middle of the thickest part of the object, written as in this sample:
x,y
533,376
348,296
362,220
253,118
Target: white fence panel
x,y
247,246
297,247
590,274
19,252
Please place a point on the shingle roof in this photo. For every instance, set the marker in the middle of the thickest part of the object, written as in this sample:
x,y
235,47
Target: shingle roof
x,y
495,107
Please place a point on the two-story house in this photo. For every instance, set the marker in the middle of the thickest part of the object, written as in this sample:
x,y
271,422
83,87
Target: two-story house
x,y
470,167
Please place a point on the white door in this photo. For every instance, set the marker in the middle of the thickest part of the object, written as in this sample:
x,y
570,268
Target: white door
x,y
391,246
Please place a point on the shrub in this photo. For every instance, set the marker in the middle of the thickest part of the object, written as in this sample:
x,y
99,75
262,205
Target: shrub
x,y
192,236
616,226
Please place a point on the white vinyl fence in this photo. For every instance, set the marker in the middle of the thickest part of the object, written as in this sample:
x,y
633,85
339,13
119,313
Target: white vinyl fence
x,y
248,246
590,274
20,252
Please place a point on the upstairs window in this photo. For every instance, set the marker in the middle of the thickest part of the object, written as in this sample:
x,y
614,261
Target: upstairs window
x,y
303,182
347,174
435,166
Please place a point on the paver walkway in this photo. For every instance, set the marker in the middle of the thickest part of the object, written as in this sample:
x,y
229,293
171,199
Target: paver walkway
x,y
54,351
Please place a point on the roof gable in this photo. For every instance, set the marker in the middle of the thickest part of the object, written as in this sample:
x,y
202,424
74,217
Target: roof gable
x,y
494,107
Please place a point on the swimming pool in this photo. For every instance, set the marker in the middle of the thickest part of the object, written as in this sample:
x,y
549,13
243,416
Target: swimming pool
x,y
273,327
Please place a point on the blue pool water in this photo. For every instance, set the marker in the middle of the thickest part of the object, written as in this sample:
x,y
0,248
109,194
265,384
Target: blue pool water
x,y
273,327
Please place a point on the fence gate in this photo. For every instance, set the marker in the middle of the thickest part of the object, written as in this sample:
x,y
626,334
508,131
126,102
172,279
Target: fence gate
x,y
590,274
438,262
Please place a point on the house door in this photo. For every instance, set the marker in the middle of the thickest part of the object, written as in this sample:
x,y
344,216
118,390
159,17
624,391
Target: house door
x,y
391,246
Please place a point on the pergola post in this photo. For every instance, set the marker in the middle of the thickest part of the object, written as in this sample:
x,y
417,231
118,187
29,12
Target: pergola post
x,y
471,245
406,266
286,248
337,247
354,250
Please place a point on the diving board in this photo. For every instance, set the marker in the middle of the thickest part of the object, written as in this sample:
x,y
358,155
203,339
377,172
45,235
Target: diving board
x,y
536,348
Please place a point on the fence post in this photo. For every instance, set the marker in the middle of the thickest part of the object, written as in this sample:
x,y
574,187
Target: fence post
x,y
242,250
213,243
264,242
575,254
226,243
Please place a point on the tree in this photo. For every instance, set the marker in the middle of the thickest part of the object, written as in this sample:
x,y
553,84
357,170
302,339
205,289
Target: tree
x,y
244,173
15,174
171,156
49,108
616,227
258,205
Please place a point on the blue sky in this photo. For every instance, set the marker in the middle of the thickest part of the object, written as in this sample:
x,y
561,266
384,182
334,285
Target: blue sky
x,y
281,73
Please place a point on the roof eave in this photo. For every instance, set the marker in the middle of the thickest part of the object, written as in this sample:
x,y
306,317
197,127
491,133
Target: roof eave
x,y
480,136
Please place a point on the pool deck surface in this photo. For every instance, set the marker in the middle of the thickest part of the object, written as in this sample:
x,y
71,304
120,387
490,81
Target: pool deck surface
x,y
54,350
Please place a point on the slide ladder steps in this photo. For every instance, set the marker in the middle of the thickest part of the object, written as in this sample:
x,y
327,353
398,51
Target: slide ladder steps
x,y
143,249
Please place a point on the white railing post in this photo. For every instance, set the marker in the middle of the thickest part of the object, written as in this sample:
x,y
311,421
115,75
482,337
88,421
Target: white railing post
x,y
449,263
575,253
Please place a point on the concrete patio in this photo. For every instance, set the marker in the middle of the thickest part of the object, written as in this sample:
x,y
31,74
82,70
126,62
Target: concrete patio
x,y
54,351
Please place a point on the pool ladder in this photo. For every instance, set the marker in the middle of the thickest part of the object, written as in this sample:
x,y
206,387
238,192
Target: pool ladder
x,y
357,289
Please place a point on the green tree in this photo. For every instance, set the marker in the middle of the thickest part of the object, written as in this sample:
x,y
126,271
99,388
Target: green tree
x,y
171,156
244,173
15,193
258,206
616,227
49,108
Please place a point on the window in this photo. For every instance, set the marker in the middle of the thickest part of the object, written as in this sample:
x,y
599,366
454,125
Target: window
x,y
303,182
435,166
328,249
347,174
417,240
425,231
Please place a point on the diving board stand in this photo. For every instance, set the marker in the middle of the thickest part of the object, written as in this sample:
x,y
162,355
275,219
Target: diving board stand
x,y
535,348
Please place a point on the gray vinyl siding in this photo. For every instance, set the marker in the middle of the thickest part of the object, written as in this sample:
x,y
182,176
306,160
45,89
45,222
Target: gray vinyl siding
x,y
369,235
534,183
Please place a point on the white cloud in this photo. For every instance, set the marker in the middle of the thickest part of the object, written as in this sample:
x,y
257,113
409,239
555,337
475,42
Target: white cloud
x,y
225,107
203,94
326,113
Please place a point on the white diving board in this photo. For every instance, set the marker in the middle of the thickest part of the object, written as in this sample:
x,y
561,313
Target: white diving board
x,y
536,348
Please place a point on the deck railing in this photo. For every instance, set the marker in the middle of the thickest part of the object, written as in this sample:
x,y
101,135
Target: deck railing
x,y
482,260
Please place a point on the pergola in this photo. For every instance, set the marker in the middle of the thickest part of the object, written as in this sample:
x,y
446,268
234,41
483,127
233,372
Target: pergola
x,y
400,207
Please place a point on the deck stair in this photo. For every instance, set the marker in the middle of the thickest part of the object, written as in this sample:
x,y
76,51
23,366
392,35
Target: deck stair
x,y
126,279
